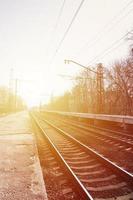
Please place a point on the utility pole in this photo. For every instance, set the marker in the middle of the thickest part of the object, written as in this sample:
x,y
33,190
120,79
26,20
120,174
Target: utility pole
x,y
100,83
10,98
16,91
86,91
100,88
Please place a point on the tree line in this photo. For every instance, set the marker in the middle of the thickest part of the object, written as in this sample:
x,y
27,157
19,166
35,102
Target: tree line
x,y
9,102
116,91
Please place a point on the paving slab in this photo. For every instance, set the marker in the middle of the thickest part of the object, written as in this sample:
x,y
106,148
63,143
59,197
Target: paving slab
x,y
20,172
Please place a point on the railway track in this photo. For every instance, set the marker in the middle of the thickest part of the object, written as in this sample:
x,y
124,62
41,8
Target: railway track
x,y
123,139
60,181
114,150
98,177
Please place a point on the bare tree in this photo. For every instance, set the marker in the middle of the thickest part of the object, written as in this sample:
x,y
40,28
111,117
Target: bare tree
x,y
120,87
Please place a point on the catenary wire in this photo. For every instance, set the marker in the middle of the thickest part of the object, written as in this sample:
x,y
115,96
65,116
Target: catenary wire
x,y
57,23
108,27
103,53
67,30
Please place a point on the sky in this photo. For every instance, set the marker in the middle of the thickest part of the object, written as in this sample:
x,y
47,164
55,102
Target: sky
x,y
31,31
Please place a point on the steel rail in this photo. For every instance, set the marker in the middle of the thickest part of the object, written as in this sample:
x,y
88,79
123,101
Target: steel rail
x,y
102,134
108,136
100,128
112,131
123,173
79,186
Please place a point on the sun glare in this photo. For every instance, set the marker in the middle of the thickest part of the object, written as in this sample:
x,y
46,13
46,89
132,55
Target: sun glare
x,y
37,92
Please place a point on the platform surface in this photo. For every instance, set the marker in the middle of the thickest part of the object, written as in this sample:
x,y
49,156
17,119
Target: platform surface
x,y
20,171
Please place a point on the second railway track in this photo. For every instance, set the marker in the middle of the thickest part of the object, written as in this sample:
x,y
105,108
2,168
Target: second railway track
x,y
115,149
119,137
99,177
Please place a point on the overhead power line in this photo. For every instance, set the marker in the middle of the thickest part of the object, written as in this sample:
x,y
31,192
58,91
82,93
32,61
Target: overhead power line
x,y
109,26
105,52
67,30
110,50
58,18
57,22
75,77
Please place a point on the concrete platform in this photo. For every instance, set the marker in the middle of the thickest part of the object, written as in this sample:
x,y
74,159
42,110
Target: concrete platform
x,y
20,171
